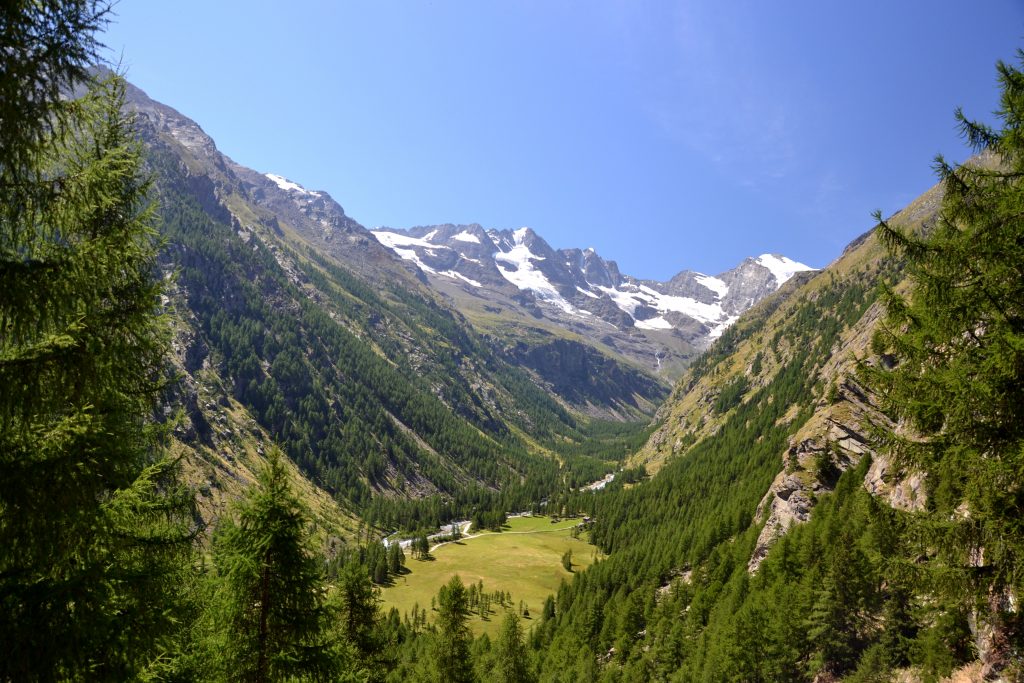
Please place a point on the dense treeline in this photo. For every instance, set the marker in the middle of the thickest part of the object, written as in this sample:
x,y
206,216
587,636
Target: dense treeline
x,y
95,530
829,599
550,485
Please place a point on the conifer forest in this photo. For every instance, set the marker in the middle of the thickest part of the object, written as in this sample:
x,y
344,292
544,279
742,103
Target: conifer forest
x,y
231,446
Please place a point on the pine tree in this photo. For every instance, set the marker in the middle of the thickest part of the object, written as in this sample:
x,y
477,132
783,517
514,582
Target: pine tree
x,y
548,612
396,559
834,623
94,529
422,547
452,661
511,660
958,343
49,46
358,617
272,620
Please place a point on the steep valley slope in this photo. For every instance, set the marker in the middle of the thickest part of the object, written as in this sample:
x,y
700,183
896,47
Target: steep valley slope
x,y
767,543
297,328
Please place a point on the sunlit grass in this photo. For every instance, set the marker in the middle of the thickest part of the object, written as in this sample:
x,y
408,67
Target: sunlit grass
x,y
524,560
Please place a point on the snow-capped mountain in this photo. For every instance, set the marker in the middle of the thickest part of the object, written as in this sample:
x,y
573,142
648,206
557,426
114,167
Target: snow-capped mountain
x,y
580,284
519,290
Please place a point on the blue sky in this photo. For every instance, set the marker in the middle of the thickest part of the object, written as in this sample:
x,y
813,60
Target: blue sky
x,y
667,135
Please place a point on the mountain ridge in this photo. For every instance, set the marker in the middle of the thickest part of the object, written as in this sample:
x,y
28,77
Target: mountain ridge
x,y
297,330
580,289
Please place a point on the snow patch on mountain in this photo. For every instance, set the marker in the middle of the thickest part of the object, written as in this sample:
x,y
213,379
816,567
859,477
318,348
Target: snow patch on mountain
x,y
683,304
456,275
626,301
658,323
642,295
400,244
404,246
521,272
781,267
289,186
410,255
714,284
721,327
516,266
465,236
392,240
519,256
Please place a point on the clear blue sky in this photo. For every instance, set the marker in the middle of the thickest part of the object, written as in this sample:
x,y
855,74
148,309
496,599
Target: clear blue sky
x,y
667,135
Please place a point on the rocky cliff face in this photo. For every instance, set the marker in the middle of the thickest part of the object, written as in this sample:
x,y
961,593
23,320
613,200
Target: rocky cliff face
x,y
830,429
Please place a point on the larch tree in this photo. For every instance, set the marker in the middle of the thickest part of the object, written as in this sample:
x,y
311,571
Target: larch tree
x,y
452,660
512,663
358,618
957,389
94,529
270,612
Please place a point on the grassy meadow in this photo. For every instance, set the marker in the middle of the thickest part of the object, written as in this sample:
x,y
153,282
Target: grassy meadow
x,y
525,559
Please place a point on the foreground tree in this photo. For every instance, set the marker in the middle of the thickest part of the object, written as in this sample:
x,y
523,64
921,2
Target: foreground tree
x,y
512,664
94,529
271,620
958,340
359,619
452,661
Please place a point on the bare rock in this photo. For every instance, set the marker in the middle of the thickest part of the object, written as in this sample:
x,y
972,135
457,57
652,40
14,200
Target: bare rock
x,y
900,490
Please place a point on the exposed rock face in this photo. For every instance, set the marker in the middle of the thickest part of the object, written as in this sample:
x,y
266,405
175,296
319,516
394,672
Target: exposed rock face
x,y
995,639
791,496
789,501
830,443
901,490
837,435
753,280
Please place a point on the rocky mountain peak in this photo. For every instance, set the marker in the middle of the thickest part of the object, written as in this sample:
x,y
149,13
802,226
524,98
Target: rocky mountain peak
x,y
579,289
755,278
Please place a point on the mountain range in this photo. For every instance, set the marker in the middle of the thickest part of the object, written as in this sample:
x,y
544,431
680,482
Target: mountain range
x,y
513,286
578,286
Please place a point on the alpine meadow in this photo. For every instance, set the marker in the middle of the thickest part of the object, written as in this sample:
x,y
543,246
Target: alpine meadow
x,y
245,438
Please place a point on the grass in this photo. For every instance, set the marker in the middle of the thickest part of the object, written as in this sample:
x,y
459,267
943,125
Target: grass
x,y
525,559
